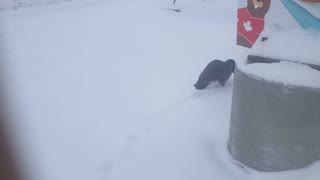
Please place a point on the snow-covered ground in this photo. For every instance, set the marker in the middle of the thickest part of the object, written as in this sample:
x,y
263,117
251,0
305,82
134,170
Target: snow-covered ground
x,y
286,39
104,91
12,5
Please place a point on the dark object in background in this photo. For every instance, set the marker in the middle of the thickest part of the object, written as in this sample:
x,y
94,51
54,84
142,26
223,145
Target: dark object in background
x,y
175,10
264,39
9,167
216,70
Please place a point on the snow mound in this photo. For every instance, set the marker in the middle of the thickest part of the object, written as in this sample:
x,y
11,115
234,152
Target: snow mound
x,y
288,73
296,45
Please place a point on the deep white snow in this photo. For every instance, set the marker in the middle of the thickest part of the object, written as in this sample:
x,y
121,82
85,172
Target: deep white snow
x,y
296,45
104,91
286,39
287,73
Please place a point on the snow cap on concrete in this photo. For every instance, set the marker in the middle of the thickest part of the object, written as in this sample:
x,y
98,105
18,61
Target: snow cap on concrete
x,y
288,73
296,45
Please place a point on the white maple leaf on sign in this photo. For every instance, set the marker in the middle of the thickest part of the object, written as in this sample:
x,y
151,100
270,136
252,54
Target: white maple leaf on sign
x,y
247,26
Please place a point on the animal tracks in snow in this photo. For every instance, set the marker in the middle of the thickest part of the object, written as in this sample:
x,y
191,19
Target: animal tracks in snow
x,y
150,122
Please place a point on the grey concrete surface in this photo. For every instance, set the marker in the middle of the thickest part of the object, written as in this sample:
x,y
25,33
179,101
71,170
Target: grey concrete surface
x,y
274,127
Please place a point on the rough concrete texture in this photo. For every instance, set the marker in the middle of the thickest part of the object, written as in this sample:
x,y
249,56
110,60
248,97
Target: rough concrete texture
x,y
274,127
